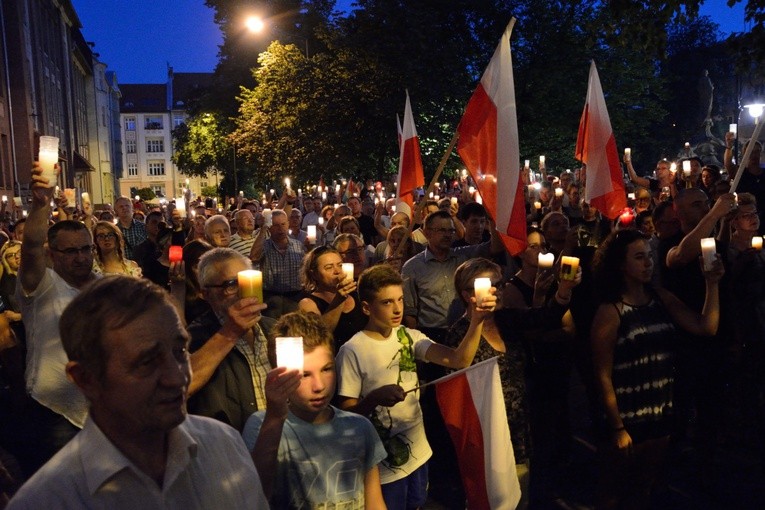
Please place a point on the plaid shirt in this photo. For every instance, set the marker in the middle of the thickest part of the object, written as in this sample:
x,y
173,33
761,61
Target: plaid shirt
x,y
134,235
281,271
258,362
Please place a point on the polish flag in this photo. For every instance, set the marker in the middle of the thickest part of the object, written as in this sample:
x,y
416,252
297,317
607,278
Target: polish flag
x,y
473,408
596,148
399,130
488,145
410,173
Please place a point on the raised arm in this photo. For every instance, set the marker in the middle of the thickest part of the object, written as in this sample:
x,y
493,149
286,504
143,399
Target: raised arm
x,y
707,322
634,177
33,257
690,247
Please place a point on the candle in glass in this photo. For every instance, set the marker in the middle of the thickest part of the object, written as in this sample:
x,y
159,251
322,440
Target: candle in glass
x,y
311,234
180,204
481,286
733,128
289,352
559,192
176,253
348,269
627,154
687,168
673,168
48,157
69,194
526,165
267,217
537,205
757,242
541,161
250,284
708,252
568,267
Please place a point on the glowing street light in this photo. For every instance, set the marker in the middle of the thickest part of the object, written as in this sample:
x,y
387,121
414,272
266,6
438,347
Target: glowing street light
x,y
755,110
254,24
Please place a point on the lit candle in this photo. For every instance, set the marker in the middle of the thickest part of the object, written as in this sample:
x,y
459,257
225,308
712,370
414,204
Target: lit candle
x,y
708,252
627,154
85,196
568,267
311,234
267,217
464,173
673,167
250,284
289,352
436,197
526,165
48,157
5,199
176,253
323,195
180,204
757,242
137,198
348,269
454,200
193,213
541,161
481,286
337,188
187,183
733,128
471,190
558,192
631,196
430,195
537,205
287,182
478,199
321,220
687,145
687,168
69,194
393,208
545,260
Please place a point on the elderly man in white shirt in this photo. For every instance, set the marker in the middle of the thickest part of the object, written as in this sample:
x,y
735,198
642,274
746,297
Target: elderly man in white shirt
x,y
128,355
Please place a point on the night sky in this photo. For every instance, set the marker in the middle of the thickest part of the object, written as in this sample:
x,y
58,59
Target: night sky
x,y
138,38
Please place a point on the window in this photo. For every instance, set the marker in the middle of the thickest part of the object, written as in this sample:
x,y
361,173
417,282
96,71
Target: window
x,y
130,146
153,123
129,123
156,168
132,169
178,120
158,190
155,145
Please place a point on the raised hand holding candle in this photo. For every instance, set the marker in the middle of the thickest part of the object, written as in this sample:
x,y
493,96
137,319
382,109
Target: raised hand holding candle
x,y
627,154
69,194
733,128
311,234
48,157
348,270
287,182
180,204
757,242
250,284
289,352
482,287
568,267
708,252
267,217
541,161
176,253
545,260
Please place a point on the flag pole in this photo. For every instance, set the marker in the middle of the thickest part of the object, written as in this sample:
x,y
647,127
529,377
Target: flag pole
x,y
747,153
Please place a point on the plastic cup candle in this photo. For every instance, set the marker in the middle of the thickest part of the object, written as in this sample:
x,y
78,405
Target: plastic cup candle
x,y
482,286
311,234
250,284
48,157
69,194
348,269
5,199
393,208
289,352
436,197
708,252
545,260
631,196
627,154
287,182
568,267
180,204
321,221
558,192
323,195
241,193
454,200
541,161
757,242
733,128
537,205
337,188
267,217
526,165
85,197
430,195
687,168
272,191
176,253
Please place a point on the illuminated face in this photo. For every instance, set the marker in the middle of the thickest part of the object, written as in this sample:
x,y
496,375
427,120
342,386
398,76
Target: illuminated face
x,y
638,265
747,219
279,227
355,205
72,255
124,209
105,239
245,221
535,245
386,310
399,219
329,271
354,254
13,257
440,234
218,233
311,399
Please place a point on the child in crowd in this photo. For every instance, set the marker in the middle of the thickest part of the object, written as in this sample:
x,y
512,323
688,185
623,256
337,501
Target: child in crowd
x,y
308,453
378,378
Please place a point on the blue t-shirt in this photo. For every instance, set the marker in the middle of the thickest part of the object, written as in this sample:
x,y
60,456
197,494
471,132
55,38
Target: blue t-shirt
x,y
321,466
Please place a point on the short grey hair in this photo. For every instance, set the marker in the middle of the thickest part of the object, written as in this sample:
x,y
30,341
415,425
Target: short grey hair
x,y
209,261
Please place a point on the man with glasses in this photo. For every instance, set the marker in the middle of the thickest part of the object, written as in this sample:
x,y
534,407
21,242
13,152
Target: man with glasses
x,y
58,409
229,357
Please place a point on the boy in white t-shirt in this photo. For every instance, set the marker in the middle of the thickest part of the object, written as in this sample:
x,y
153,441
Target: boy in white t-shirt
x,y
308,453
378,378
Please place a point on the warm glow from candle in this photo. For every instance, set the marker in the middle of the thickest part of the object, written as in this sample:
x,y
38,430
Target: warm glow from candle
x,y
568,267
708,252
481,286
348,269
545,260
757,242
627,154
250,284
289,352
558,192
311,234
176,253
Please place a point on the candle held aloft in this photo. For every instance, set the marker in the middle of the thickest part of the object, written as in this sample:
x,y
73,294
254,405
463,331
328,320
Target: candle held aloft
x,y
627,154
687,168
568,267
250,284
267,217
482,288
289,352
545,260
48,157
733,128
176,253
541,161
708,252
311,234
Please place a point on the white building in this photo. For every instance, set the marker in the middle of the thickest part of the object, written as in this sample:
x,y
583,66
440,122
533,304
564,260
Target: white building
x,y
148,114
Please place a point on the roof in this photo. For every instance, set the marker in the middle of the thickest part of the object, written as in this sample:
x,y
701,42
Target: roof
x,y
188,87
143,97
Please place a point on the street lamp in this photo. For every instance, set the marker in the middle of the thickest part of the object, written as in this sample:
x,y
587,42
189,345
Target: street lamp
x,y
755,110
254,24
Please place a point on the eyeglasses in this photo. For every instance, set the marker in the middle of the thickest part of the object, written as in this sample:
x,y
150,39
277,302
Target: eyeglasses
x,y
229,286
15,254
73,252
444,230
103,237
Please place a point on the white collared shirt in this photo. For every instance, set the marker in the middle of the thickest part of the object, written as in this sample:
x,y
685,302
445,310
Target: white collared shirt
x,y
208,466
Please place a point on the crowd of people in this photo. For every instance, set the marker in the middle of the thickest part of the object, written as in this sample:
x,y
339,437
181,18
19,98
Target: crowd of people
x,y
118,323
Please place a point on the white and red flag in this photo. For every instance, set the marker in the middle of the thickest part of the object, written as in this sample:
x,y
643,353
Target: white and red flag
x,y
488,145
596,148
410,172
473,408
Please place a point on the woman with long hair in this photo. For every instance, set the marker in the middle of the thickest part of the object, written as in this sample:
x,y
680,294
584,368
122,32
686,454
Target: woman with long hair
x,y
393,255
10,255
331,294
110,251
632,339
